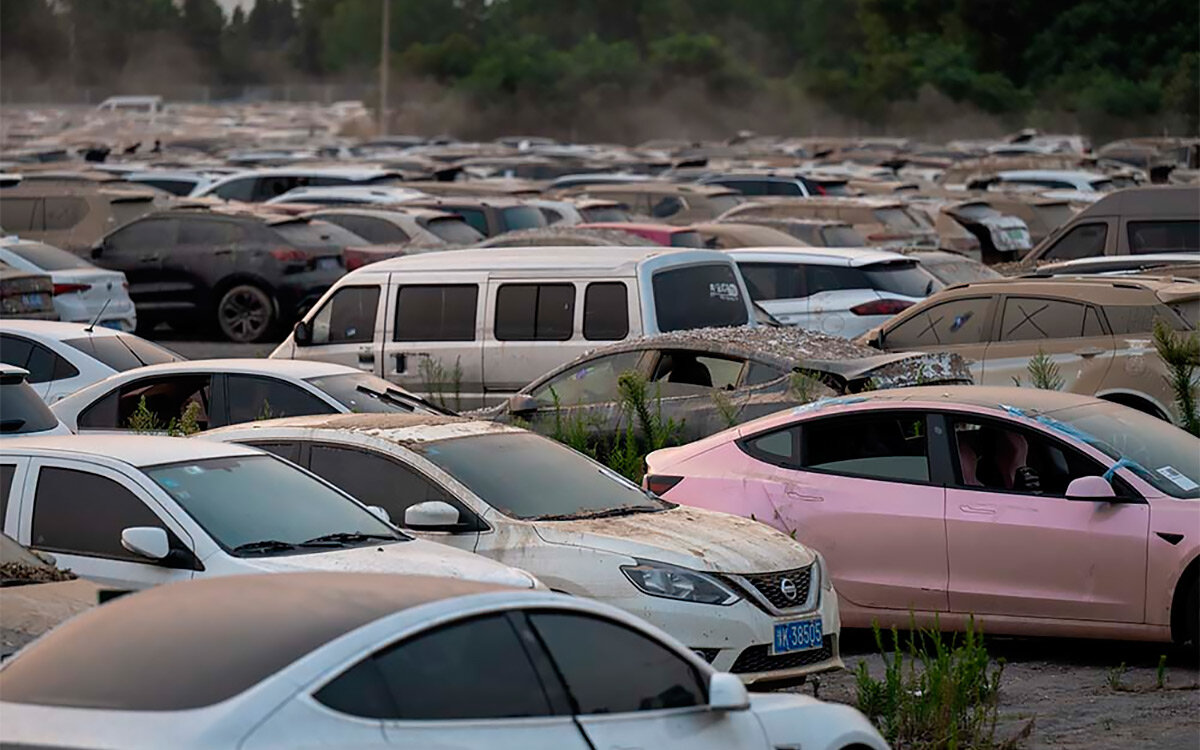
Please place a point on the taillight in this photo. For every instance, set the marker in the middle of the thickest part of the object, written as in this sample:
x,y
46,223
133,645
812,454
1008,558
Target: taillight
x,y
69,288
881,307
353,259
288,255
660,484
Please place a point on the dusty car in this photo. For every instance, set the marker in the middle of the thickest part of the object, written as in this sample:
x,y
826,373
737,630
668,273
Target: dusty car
x,y
493,489
727,235
976,229
1096,331
489,216
814,232
883,222
950,268
564,236
380,661
72,216
1040,213
258,185
1036,512
708,379
419,226
653,234
26,294
678,204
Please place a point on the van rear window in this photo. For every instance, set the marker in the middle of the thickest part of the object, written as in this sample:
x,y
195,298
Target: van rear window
x,y
700,296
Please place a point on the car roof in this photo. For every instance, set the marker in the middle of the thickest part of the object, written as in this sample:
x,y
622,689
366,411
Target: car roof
x,y
1152,200
631,226
830,256
388,214
610,258
196,643
135,450
497,201
352,173
295,368
658,186
55,329
1098,289
1064,174
997,397
401,429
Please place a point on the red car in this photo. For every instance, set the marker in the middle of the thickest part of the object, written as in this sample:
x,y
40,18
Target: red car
x,y
660,234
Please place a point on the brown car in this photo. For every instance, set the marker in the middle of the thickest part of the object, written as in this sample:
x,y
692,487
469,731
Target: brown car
x,y
1096,331
728,235
812,232
489,216
884,222
670,202
72,215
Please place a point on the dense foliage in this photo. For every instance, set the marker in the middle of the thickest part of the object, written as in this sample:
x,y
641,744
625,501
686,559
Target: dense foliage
x,y
1097,59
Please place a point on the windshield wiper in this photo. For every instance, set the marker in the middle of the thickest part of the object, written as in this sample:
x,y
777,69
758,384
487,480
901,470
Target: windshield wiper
x,y
264,545
350,537
607,513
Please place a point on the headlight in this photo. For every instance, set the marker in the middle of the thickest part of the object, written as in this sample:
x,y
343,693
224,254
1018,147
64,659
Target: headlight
x,y
823,572
671,582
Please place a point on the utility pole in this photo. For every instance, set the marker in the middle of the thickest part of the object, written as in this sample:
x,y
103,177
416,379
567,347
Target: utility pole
x,y
384,45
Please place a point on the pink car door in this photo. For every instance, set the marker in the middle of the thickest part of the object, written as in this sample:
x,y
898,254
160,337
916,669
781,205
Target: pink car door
x,y
1018,546
856,487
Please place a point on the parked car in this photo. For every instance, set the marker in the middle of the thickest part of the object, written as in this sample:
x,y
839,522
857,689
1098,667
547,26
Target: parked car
x,y
26,294
72,216
1096,331
841,291
230,391
492,489
474,326
727,235
950,268
580,211
181,182
1040,213
1136,221
348,195
488,216
673,203
258,185
382,661
22,413
705,380
814,232
240,273
134,511
976,229
1035,512
768,182
1053,179
1113,265
665,235
62,358
883,222
82,291
418,226
570,236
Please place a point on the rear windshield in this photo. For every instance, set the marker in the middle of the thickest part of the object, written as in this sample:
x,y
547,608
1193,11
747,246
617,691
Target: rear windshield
x,y
901,277
700,296
895,218
316,234
607,213
48,258
453,230
123,353
842,237
523,217
686,239
22,410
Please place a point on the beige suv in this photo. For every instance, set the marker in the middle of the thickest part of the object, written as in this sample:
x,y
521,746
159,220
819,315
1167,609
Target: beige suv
x,y
1096,330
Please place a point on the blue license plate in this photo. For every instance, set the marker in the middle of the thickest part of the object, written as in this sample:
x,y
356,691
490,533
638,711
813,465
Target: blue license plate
x,y
33,301
803,635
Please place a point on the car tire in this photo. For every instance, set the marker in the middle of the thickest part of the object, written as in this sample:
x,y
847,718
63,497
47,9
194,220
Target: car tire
x,y
246,314
1191,613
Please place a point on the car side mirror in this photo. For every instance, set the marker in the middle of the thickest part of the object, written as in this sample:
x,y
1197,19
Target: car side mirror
x,y
380,513
146,541
302,334
1090,488
522,403
432,515
727,693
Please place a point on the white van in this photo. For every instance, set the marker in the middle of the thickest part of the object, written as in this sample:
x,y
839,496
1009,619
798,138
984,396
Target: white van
x,y
469,328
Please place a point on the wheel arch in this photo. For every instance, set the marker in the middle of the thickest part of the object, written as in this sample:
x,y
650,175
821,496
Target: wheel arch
x,y
1187,580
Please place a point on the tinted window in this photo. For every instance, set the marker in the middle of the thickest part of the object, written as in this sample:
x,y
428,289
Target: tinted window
x,y
474,217
959,321
1028,319
6,477
82,513
605,311
166,399
476,669
151,233
289,451
877,446
46,257
347,317
122,353
377,480
594,381
238,190
745,187
780,187
532,312
436,313
16,214
1083,241
523,217
620,670
699,296
781,447
769,281
252,398
906,278
315,234
374,231
202,232
1135,318
687,239
453,230
1164,237
22,410
174,187
668,205
43,365
64,212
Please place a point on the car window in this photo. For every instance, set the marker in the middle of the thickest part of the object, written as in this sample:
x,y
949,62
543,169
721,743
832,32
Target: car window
x,y
23,411
687,239
1135,318
535,312
374,231
783,187
474,669
959,321
781,447
475,217
745,187
453,230
881,445
82,513
366,393
771,281
668,205
166,399
591,382
47,257
620,670
252,397
206,232
289,450
523,217
149,233
606,311
6,476
347,317
1031,318
122,353
680,372
175,187
698,296
64,212
759,373
43,365
17,214
1164,237
839,236
315,234
895,218
436,313
1083,241
907,278
237,190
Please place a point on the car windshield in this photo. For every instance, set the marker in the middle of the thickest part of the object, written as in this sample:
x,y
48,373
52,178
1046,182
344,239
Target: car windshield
x,y
48,258
901,277
699,296
530,477
364,393
1154,450
453,230
241,500
23,411
123,353
842,237
523,217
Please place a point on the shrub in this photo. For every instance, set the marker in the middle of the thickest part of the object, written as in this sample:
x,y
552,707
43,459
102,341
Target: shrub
x,y
1181,354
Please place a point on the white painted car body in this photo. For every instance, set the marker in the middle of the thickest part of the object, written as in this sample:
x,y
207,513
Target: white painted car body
x,y
340,195
83,292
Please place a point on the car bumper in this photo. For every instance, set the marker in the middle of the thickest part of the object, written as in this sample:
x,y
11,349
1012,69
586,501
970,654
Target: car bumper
x,y
119,314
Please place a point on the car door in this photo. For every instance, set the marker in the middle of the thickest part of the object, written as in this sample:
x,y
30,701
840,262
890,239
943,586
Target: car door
x,y
255,397
629,691
1068,333
530,328
206,252
860,488
76,511
347,327
433,338
1017,546
137,251
962,326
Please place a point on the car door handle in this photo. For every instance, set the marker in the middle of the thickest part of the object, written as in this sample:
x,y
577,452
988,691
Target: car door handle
x,y
149,258
1089,351
366,357
979,510
798,495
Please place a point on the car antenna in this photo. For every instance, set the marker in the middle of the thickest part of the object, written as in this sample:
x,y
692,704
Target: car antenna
x,y
92,325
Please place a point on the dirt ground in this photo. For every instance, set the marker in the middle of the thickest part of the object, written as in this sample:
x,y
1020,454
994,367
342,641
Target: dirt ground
x,y
1064,687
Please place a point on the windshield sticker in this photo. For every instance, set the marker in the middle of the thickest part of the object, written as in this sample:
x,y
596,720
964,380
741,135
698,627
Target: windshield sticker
x,y
1179,478
193,470
724,291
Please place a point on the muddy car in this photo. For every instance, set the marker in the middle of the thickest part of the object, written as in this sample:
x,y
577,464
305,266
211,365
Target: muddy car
x,y
814,232
976,229
489,216
884,222
710,379
730,235
72,215
665,201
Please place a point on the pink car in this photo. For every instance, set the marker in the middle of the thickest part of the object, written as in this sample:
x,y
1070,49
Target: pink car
x,y
1039,512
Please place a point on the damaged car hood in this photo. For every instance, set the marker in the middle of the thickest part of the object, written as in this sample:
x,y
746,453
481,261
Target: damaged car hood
x,y
689,537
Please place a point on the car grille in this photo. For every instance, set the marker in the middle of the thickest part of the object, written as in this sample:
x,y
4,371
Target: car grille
x,y
759,658
769,585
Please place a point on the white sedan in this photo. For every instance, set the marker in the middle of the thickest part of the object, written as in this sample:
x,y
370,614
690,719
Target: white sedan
x,y
746,598
83,292
380,662
22,413
64,357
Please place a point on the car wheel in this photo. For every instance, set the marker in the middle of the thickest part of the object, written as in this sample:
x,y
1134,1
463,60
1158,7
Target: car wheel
x,y
1191,611
246,313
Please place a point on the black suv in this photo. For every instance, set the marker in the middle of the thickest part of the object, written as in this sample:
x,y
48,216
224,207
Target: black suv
x,y
240,273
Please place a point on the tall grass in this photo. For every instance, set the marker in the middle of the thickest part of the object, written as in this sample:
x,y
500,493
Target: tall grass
x,y
1181,354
